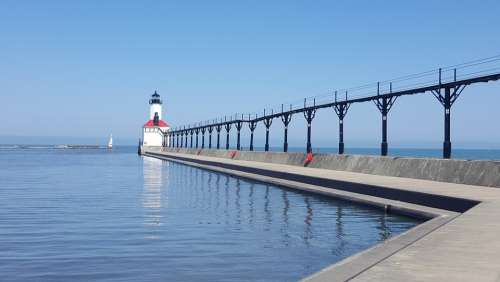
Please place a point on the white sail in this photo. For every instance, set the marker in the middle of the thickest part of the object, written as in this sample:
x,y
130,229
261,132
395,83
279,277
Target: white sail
x,y
110,142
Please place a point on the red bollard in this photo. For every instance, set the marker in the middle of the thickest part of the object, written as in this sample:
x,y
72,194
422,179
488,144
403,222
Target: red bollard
x,y
232,154
309,159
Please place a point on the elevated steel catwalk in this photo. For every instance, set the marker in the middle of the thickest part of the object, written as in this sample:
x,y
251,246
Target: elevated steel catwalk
x,y
446,93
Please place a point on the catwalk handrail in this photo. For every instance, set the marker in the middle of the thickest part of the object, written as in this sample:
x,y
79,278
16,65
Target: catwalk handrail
x,y
454,84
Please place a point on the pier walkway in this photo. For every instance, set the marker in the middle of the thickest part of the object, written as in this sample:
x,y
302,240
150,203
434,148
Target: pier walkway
x,y
459,243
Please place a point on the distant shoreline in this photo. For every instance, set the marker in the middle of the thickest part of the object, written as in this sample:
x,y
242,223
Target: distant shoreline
x,y
64,146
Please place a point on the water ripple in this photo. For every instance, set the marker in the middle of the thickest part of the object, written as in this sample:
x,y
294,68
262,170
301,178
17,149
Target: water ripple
x,y
77,215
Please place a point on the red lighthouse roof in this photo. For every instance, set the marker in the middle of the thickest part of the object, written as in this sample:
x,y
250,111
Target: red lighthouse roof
x,y
151,123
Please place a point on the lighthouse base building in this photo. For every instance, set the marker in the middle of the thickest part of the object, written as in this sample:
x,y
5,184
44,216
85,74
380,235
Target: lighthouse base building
x,y
155,128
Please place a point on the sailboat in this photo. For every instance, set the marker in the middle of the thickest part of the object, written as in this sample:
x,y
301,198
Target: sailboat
x,y
110,142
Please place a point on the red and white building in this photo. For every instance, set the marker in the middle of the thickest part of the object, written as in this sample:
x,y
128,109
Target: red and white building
x,y
155,128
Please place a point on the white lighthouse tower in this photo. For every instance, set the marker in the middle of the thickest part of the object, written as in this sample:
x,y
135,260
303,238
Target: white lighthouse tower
x,y
155,128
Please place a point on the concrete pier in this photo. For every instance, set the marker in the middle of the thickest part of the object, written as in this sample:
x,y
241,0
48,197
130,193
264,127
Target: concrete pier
x,y
472,172
459,242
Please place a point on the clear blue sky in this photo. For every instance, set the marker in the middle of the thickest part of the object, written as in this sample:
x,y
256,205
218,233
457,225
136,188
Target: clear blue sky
x,y
84,69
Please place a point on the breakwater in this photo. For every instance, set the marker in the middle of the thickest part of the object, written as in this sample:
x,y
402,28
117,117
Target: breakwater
x,y
470,172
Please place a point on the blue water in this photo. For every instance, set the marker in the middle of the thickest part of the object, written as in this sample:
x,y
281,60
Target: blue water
x,y
463,154
100,215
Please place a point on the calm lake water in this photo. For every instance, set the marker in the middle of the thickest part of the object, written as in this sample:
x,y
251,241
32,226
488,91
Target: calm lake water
x,y
99,215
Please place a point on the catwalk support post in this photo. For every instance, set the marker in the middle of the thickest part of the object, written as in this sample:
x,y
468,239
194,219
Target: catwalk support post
x,y
191,132
238,124
218,128
203,130
286,118
309,114
252,124
384,104
227,126
451,94
177,139
182,138
186,139
197,132
267,122
341,109
210,130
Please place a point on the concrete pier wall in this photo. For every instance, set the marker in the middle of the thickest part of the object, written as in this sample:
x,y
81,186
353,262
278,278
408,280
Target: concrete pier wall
x,y
482,173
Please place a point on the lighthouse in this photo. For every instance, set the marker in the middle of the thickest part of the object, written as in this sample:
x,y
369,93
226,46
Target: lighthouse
x,y
155,128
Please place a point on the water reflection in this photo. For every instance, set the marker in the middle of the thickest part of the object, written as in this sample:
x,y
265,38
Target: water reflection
x,y
202,190
341,243
286,208
251,204
206,195
267,211
238,201
384,232
152,192
217,192
226,199
210,192
308,234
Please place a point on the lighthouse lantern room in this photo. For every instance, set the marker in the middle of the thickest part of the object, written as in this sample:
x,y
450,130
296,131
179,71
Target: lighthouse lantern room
x,y
155,128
